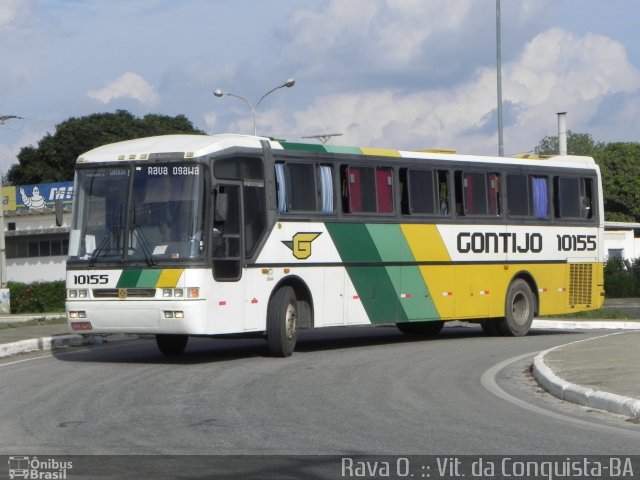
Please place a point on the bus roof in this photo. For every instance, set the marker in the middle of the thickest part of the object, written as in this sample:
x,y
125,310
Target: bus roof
x,y
189,146
193,146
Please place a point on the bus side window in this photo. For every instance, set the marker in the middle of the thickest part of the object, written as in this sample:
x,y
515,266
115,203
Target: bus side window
x,y
301,191
419,192
540,200
367,189
304,187
569,193
586,198
518,197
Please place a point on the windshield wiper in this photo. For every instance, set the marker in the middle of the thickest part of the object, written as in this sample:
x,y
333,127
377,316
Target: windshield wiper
x,y
114,232
144,244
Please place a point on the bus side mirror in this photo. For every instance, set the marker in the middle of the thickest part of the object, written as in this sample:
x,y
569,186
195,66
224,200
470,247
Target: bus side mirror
x,y
59,209
222,207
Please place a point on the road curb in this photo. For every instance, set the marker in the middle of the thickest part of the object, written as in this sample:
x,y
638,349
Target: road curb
x,y
39,344
589,397
48,343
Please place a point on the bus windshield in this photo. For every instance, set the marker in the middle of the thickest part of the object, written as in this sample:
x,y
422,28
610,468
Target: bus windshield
x,y
139,214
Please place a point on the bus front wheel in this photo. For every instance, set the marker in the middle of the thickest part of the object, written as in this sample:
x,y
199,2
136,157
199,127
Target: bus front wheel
x,y
282,322
519,308
171,344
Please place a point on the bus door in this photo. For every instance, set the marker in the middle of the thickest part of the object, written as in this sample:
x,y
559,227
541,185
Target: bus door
x,y
231,225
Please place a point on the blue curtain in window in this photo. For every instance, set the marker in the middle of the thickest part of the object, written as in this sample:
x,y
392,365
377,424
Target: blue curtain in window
x,y
326,184
540,197
281,188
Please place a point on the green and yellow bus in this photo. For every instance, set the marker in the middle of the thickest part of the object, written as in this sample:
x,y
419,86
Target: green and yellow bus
x,y
195,235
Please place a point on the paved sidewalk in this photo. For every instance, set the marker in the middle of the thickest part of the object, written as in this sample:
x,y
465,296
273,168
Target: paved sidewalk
x,y
601,372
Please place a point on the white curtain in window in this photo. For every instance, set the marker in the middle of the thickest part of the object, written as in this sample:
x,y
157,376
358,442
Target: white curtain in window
x,y
281,188
327,188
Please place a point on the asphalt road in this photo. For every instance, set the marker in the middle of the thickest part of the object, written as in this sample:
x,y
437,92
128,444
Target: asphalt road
x,y
344,391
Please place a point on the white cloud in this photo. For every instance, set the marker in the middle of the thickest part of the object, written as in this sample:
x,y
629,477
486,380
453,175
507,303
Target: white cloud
x,y
128,85
14,14
372,34
9,152
556,71
210,120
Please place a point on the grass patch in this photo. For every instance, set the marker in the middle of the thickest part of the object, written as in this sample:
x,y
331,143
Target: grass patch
x,y
36,322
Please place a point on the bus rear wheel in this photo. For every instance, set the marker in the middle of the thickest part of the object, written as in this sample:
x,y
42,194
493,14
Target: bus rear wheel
x,y
421,328
170,344
282,322
519,308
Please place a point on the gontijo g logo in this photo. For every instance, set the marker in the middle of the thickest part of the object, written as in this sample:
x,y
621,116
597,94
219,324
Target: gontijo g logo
x,y
300,244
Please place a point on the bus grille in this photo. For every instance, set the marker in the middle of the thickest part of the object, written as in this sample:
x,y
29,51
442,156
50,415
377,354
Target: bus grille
x,y
130,293
580,283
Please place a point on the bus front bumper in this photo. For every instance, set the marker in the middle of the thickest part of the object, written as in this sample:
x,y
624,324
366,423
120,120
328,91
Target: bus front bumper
x,y
178,317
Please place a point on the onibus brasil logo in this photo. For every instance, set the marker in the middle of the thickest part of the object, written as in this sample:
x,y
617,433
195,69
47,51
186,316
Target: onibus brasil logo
x,y
34,468
300,244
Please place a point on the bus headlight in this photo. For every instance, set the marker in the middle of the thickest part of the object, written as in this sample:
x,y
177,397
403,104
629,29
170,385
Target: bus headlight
x,y
172,293
81,293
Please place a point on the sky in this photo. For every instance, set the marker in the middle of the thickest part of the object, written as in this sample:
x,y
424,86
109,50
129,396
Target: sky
x,y
400,74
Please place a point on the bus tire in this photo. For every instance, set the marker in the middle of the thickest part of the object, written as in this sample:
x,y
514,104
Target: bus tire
x,y
170,344
421,328
518,310
282,322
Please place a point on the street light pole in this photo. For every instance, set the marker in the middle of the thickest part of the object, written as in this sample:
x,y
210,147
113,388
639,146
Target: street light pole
x,y
254,108
499,80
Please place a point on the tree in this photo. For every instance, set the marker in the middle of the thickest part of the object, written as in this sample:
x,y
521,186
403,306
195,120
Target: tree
x,y
577,144
54,158
620,168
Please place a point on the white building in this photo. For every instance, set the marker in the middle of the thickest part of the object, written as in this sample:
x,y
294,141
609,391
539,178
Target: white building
x,y
35,248
622,239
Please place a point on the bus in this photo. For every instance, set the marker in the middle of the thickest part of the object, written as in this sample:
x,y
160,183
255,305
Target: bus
x,y
197,235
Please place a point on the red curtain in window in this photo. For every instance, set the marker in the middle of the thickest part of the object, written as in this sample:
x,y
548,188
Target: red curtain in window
x,y
384,190
468,194
355,189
